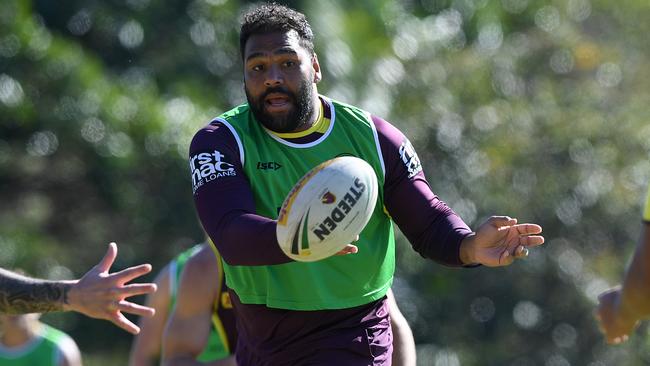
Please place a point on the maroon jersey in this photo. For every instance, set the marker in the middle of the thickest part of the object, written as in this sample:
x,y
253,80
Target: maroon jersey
x,y
270,336
227,210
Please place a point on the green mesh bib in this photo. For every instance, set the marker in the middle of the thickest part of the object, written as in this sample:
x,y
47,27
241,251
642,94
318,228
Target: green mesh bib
x,y
217,346
333,283
43,351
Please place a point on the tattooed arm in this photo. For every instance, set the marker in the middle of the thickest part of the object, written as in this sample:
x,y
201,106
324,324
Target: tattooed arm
x,y
19,294
97,294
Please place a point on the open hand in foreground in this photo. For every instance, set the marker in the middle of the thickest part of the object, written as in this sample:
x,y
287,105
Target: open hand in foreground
x,y
102,295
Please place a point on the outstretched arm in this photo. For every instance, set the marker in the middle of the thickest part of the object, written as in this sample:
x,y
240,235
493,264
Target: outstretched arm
x,y
20,295
622,307
97,294
433,228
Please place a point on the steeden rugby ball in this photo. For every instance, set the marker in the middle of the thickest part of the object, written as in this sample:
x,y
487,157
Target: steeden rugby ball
x,y
327,208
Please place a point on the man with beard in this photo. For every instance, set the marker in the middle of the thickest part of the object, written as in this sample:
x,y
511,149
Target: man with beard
x,y
244,163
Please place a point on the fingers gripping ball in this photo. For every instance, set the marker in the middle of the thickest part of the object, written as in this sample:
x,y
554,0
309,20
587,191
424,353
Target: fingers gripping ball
x,y
327,209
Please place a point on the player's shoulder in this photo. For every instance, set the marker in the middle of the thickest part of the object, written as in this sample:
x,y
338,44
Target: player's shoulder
x,y
213,128
234,112
380,123
203,263
200,276
64,343
384,127
54,335
339,105
219,123
215,133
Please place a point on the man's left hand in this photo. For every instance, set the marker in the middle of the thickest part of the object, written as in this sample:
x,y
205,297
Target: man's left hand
x,y
499,241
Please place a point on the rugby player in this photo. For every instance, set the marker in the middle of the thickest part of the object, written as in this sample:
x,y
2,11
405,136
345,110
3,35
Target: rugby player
x,y
243,164
192,299
26,341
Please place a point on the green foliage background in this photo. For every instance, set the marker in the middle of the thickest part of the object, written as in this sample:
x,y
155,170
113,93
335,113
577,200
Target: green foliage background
x,y
535,109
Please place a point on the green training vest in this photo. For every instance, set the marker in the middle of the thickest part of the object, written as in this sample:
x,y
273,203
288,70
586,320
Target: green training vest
x,y
216,348
43,351
273,166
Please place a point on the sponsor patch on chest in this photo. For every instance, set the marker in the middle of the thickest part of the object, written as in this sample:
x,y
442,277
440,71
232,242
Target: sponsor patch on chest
x,y
209,166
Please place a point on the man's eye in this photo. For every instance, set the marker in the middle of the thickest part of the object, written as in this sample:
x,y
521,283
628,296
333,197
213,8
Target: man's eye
x,y
257,68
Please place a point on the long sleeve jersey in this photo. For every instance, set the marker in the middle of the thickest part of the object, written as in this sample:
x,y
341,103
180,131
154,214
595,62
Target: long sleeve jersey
x,y
226,206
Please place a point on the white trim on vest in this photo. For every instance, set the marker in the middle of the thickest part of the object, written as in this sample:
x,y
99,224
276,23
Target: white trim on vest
x,y
234,133
376,136
171,273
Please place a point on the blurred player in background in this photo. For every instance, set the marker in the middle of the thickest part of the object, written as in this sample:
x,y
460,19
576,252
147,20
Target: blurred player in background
x,y
26,341
192,300
97,294
622,307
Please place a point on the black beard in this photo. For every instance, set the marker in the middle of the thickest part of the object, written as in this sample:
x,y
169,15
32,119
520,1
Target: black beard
x,y
296,117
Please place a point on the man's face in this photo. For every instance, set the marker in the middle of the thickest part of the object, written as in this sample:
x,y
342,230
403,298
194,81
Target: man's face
x,y
279,77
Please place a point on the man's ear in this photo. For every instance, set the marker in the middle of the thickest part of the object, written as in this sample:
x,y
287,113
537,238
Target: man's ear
x,y
318,76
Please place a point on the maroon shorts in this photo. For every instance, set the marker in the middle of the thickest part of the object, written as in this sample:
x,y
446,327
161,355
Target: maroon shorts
x,y
359,336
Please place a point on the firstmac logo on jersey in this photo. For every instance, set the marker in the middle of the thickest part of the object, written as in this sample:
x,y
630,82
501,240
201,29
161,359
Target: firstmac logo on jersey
x,y
209,166
410,158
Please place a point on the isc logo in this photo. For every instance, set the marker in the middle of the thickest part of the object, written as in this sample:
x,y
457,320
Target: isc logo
x,y
270,165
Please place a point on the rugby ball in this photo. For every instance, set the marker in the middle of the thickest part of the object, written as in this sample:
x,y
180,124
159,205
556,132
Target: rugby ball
x,y
327,208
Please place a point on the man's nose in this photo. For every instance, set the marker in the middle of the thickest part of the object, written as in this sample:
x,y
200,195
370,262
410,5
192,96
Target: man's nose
x,y
274,76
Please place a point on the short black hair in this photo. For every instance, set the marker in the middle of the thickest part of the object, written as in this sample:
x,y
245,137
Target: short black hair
x,y
272,17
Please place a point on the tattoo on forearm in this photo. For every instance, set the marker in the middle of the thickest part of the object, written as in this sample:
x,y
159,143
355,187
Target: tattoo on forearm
x,y
20,295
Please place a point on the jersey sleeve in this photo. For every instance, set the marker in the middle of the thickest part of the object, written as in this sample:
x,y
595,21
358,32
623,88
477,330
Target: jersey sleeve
x,y
224,201
646,209
434,230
